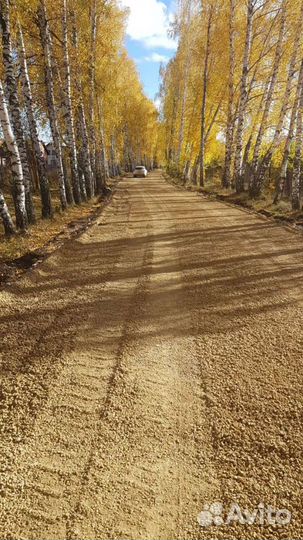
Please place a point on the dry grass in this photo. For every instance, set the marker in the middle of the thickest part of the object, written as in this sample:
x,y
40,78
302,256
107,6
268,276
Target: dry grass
x,y
264,204
44,230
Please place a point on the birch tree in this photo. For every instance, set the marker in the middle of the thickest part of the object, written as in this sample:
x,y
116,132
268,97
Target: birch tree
x,y
15,165
289,139
103,156
278,134
239,181
255,184
69,118
41,163
295,187
204,96
186,46
230,125
62,112
51,106
7,221
14,105
84,148
86,87
92,86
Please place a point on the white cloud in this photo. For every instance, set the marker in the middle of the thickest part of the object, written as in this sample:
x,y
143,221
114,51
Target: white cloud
x,y
157,58
148,22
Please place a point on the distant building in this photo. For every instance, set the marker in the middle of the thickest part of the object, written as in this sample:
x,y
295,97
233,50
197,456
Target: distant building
x,y
52,161
47,152
3,151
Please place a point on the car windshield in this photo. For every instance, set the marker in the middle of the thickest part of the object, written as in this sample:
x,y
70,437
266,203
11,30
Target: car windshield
x,y
140,168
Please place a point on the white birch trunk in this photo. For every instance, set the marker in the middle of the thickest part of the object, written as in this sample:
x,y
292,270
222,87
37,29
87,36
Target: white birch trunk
x,y
7,221
226,180
61,113
295,187
182,119
81,166
15,163
255,184
114,166
104,162
238,176
128,153
291,131
84,152
51,106
170,147
204,99
279,128
187,60
14,105
290,134
41,163
92,88
69,117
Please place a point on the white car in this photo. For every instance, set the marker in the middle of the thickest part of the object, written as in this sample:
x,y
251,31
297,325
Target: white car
x,y
140,172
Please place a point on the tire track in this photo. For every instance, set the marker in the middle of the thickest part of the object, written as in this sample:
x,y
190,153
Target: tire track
x,y
136,299
182,386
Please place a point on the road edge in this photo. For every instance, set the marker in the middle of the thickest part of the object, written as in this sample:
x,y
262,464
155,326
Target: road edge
x,y
289,226
12,270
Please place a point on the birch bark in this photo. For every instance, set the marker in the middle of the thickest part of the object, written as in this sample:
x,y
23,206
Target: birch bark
x,y
15,163
51,106
84,152
61,112
92,84
104,162
187,65
226,180
295,186
283,111
255,184
14,105
239,180
8,225
69,117
41,163
204,98
289,138
290,134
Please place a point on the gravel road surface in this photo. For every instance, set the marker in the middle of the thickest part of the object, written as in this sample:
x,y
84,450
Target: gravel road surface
x,y
151,368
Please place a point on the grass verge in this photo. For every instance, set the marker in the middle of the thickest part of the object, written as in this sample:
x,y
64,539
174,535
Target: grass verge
x,y
24,251
263,205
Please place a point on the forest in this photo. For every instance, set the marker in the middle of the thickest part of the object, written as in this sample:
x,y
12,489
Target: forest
x,y
232,98
72,107
74,114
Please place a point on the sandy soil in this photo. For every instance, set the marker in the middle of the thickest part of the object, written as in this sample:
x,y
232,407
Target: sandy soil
x,y
150,367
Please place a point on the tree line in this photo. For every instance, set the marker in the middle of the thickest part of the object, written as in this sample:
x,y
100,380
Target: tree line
x,y
233,95
66,75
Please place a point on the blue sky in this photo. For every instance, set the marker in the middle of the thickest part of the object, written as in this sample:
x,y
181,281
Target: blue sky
x,y
147,40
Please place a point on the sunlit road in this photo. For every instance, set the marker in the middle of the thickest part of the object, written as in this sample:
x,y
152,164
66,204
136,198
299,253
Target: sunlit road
x,y
154,366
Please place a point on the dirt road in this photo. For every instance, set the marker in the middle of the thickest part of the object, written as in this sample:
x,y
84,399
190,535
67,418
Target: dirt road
x,y
151,367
